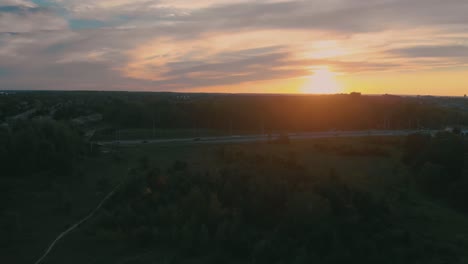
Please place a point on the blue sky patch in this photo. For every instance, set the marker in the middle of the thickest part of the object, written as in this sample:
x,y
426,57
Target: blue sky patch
x,y
45,3
86,24
3,72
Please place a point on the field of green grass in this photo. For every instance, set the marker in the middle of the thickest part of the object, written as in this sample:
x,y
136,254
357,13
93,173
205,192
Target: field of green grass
x,y
39,208
38,212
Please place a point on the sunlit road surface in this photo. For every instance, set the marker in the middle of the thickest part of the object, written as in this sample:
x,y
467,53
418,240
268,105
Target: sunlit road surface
x,y
264,138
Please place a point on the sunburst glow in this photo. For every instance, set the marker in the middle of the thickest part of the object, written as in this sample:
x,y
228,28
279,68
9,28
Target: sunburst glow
x,y
322,82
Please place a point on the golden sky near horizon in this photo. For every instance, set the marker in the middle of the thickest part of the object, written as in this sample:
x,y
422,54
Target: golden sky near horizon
x,y
236,46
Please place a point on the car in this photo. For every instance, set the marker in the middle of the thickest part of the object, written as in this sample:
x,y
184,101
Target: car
x,y
144,142
197,139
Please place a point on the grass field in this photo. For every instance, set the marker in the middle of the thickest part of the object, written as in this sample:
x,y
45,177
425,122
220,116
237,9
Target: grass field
x,y
368,163
39,209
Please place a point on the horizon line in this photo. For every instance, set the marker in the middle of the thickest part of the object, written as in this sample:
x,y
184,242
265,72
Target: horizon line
x,y
232,93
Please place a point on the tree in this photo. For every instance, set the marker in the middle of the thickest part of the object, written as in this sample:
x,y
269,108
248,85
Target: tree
x,y
42,146
415,149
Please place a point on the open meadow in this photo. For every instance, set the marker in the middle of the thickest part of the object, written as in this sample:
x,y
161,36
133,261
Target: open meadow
x,y
235,203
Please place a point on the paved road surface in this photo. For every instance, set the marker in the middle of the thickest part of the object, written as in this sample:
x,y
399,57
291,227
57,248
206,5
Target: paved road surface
x,y
263,138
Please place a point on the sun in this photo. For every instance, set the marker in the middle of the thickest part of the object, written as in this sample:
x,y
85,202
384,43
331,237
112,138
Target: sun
x,y
322,82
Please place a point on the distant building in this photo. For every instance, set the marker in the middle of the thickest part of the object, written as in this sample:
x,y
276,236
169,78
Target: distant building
x,y
449,129
24,115
83,120
457,130
183,97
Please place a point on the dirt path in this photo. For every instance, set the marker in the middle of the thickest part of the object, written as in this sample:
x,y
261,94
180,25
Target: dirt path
x,y
77,224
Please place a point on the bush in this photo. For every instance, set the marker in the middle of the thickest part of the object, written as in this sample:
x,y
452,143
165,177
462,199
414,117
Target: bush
x,y
41,146
260,213
179,165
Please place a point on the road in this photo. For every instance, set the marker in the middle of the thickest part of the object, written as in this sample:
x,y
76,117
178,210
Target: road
x,y
263,138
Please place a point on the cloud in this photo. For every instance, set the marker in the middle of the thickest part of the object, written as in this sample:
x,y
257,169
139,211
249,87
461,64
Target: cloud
x,y
24,3
197,17
178,44
452,51
26,17
336,15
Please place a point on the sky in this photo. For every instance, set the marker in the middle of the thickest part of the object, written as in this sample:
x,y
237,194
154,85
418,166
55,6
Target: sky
x,y
236,46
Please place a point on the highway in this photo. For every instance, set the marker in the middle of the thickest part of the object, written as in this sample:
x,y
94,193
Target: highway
x,y
262,138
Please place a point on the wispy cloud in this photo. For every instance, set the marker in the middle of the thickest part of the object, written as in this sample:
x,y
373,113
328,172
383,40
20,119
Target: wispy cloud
x,y
452,51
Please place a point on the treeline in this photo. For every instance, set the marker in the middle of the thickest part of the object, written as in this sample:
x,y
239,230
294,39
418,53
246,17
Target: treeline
x,y
254,113
280,113
31,147
259,209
